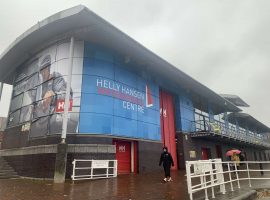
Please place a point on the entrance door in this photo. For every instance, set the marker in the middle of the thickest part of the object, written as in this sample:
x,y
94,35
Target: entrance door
x,y
123,156
219,151
206,154
167,122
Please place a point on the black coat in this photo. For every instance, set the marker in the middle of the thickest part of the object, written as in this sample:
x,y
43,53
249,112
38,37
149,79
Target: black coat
x,y
166,159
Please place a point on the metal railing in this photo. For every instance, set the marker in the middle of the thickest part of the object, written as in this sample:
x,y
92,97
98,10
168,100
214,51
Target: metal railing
x,y
93,169
204,175
229,131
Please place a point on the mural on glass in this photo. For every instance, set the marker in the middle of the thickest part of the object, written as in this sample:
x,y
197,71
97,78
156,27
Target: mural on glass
x,y
39,91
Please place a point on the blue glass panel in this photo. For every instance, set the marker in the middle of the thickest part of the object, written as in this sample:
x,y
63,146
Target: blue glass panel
x,y
121,109
97,103
126,77
125,127
115,98
149,116
148,131
89,84
96,123
102,54
154,90
98,68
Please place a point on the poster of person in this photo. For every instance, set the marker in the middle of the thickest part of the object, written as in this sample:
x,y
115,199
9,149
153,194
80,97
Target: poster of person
x,y
49,98
39,91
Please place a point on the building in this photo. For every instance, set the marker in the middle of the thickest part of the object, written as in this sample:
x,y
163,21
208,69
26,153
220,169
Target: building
x,y
3,122
125,102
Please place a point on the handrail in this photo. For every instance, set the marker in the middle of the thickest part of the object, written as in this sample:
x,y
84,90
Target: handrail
x,y
228,130
211,174
91,169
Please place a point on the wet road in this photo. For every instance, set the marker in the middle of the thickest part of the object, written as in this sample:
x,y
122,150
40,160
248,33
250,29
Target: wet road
x,y
131,187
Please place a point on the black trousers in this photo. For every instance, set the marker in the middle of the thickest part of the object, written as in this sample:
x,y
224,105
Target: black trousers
x,y
167,171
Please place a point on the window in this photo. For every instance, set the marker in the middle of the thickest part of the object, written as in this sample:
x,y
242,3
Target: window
x,y
19,88
32,82
42,108
26,113
27,70
45,74
14,118
45,90
39,127
16,102
29,97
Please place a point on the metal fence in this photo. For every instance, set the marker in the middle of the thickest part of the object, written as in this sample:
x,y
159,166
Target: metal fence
x,y
228,130
213,174
93,169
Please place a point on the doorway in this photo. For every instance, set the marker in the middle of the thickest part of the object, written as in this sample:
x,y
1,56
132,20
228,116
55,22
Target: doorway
x,y
126,156
206,153
219,152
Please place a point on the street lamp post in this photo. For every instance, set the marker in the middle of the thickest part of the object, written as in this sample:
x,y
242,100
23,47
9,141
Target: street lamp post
x,y
61,155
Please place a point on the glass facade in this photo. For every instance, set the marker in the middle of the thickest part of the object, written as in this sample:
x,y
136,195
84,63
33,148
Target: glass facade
x,y
39,90
116,101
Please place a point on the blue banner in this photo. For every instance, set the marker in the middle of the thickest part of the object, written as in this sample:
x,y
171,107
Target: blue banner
x,y
115,101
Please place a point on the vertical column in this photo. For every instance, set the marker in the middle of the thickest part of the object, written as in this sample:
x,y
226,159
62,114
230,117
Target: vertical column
x,y
168,124
61,155
1,89
132,157
161,117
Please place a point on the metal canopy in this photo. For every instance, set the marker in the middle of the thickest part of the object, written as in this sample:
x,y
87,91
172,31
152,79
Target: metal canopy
x,y
236,100
247,121
83,24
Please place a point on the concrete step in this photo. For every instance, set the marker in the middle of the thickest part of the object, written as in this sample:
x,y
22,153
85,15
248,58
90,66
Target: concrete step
x,y
6,169
9,177
8,173
4,165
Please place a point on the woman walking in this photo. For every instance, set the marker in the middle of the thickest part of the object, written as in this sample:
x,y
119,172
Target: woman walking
x,y
166,159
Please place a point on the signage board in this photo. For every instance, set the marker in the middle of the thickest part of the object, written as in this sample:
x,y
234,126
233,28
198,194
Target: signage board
x,y
100,164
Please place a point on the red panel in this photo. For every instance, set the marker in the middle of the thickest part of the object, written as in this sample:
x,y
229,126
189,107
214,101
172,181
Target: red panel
x,y
135,157
161,117
204,154
167,123
171,124
123,156
149,98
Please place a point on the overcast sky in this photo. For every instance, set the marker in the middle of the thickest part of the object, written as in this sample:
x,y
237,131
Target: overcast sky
x,y
223,44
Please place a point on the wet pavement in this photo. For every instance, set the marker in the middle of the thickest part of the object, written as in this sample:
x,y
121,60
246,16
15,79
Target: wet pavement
x,y
130,187
125,187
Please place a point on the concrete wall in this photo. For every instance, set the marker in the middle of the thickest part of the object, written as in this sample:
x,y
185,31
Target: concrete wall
x,y
15,139
195,144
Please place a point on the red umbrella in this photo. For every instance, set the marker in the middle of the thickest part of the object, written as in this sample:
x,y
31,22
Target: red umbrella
x,y
231,152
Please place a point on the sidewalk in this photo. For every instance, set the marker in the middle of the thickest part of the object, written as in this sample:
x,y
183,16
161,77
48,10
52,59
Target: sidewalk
x,y
125,187
146,187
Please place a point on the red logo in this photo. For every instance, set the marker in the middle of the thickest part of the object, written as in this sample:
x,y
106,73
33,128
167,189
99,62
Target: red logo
x,y
60,104
149,98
